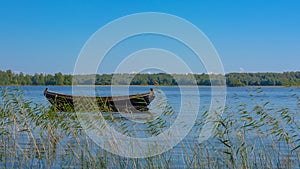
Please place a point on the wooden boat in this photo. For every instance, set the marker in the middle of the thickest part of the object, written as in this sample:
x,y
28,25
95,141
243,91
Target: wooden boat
x,y
131,103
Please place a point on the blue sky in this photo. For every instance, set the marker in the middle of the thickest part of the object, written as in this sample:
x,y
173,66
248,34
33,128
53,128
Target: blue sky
x,y
250,36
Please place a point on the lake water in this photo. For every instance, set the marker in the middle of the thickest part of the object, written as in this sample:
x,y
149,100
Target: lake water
x,y
237,100
278,97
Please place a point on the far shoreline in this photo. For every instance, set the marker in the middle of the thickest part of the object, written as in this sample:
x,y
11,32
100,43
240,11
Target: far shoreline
x,y
154,86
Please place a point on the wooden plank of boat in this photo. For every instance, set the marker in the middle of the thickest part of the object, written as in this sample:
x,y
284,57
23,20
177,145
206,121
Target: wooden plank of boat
x,y
131,103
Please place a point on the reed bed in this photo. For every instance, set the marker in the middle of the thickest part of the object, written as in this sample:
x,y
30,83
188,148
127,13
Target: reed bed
x,y
253,135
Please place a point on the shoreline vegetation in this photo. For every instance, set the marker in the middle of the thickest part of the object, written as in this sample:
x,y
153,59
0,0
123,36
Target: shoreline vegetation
x,y
285,79
250,135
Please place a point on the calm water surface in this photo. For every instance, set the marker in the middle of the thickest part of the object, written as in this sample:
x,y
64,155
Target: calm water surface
x,y
275,98
278,97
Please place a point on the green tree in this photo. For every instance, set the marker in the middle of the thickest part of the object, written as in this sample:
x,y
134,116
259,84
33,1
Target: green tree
x,y
59,78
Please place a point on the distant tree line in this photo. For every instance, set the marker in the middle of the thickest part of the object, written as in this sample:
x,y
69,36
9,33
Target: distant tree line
x,y
263,79
10,78
232,79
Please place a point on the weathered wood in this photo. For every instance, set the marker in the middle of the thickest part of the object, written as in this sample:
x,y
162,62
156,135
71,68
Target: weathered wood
x,y
131,103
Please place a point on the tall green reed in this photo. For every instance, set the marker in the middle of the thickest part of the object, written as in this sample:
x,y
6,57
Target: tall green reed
x,y
253,135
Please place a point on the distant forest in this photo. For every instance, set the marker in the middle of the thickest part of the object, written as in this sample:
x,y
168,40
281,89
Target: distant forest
x,y
232,79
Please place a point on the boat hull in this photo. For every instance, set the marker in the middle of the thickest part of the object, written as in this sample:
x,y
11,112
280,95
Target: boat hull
x,y
69,103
